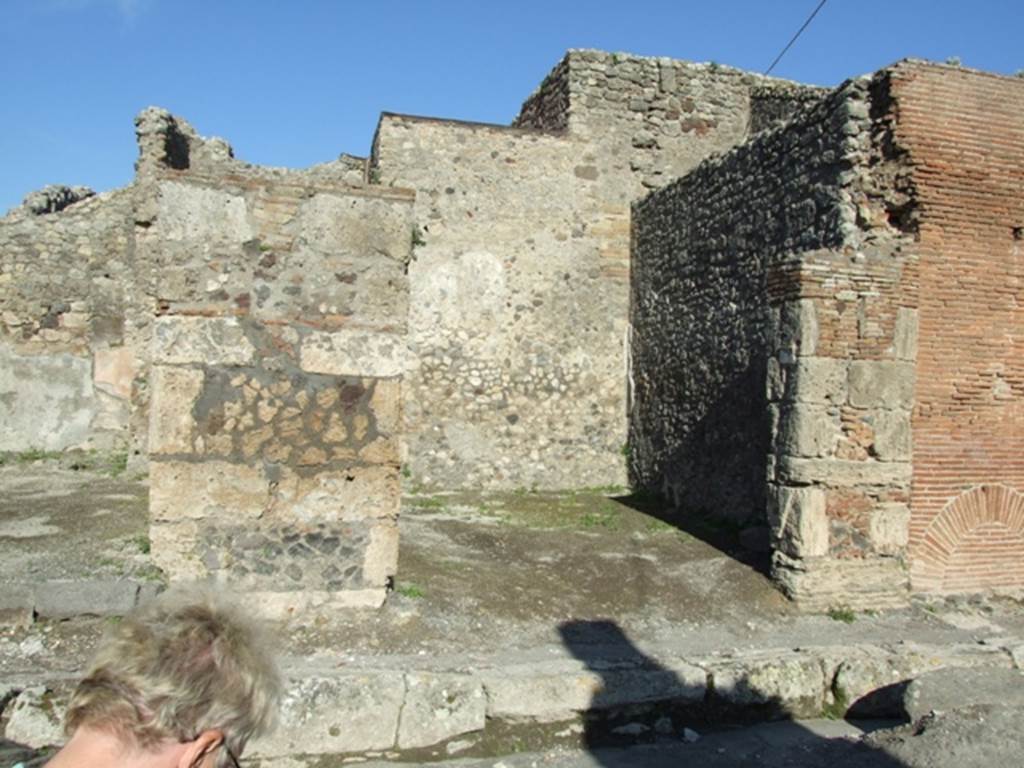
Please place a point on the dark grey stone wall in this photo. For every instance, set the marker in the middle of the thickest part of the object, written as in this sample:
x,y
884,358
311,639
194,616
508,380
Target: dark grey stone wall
x,y
709,252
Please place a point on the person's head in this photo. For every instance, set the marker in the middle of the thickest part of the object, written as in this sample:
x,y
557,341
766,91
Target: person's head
x,y
183,672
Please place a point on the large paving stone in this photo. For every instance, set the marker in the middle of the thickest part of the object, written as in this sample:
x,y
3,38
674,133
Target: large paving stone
x,y
338,714
949,689
794,685
438,707
102,597
550,693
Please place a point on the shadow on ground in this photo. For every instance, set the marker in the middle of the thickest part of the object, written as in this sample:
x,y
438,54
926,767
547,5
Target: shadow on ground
x,y
661,725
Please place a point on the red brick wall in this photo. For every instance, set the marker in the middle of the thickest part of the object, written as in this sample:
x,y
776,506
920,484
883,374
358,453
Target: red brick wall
x,y
964,132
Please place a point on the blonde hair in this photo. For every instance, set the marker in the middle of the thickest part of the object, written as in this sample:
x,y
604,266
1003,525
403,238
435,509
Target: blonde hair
x,y
182,664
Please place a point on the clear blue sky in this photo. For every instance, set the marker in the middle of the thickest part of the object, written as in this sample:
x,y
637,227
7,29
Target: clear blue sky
x,y
296,82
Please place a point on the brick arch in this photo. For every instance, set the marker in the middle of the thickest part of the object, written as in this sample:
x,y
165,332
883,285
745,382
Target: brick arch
x,y
976,542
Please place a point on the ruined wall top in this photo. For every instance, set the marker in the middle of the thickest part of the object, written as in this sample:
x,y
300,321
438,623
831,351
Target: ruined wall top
x,y
167,142
577,92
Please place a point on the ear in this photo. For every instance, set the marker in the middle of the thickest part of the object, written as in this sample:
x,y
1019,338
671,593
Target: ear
x,y
205,744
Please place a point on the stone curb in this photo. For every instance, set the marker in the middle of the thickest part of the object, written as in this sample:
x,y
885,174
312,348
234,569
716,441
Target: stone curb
x,y
406,710
68,598
379,711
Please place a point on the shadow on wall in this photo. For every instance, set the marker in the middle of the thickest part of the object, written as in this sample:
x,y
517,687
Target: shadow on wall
x,y
714,463
745,543
664,716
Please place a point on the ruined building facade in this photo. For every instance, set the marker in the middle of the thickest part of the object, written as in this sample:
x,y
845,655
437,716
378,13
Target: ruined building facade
x,y
791,308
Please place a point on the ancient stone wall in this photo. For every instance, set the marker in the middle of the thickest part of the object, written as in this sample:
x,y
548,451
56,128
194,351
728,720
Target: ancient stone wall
x,y
963,133
705,250
517,307
66,367
773,312
518,290
276,368
653,118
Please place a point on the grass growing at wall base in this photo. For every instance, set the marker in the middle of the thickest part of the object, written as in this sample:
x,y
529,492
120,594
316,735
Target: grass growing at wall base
x,y
410,590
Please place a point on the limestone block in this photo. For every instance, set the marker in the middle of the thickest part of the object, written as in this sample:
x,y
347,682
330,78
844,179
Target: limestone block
x,y
331,715
948,689
113,371
181,340
181,490
386,403
356,224
559,691
171,421
840,473
893,438
354,493
36,719
439,707
312,604
794,685
201,215
383,450
861,675
818,584
817,380
808,430
381,559
890,528
798,331
173,549
355,353
905,337
65,599
881,384
799,525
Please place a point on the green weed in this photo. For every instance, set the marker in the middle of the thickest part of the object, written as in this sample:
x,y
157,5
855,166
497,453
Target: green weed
x,y
142,543
836,709
430,502
842,613
117,463
417,237
659,526
410,590
607,520
35,454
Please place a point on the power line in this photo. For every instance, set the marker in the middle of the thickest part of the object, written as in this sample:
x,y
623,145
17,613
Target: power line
x,y
798,33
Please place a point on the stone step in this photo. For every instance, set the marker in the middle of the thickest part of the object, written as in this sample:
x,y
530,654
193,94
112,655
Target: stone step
x,y
418,708
20,603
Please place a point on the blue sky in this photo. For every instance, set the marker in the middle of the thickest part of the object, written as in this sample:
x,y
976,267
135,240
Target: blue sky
x,y
296,82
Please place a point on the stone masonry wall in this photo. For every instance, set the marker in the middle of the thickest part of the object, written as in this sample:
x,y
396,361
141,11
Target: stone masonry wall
x,y
704,249
66,366
654,118
789,257
963,133
277,337
517,307
277,362
519,289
